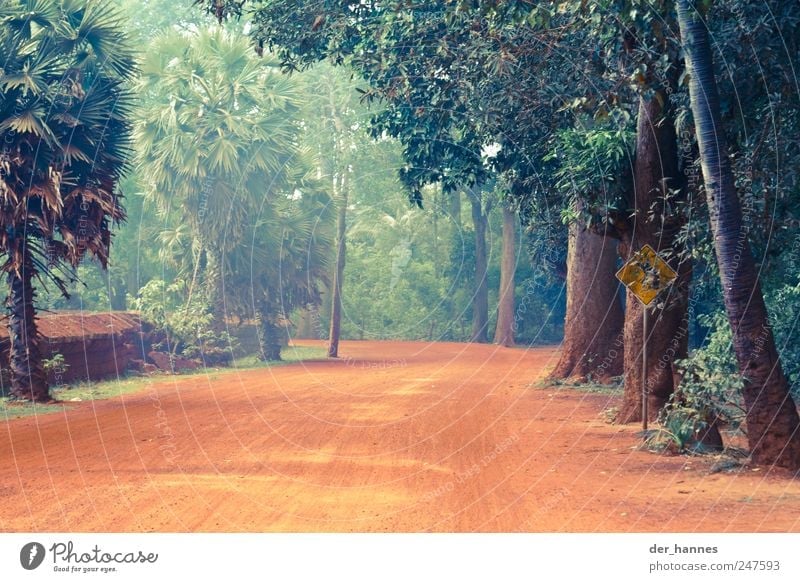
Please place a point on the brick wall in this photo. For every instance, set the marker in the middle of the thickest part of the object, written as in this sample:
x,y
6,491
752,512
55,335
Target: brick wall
x,y
94,345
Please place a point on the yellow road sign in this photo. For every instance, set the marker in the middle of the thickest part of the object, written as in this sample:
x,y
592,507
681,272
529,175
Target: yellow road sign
x,y
646,274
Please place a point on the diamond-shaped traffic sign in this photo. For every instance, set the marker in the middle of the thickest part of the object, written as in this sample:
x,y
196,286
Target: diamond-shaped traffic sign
x,y
646,274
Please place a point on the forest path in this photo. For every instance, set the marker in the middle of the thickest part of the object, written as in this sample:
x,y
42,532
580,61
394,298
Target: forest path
x,y
395,436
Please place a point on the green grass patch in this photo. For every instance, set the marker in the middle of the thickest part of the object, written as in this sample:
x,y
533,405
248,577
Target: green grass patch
x,y
290,355
615,387
11,410
84,391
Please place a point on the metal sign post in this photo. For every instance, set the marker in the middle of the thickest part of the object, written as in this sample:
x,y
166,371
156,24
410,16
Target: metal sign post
x,y
646,275
645,312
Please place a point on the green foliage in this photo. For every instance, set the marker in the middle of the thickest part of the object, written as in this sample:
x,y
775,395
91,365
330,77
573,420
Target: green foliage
x,y
56,363
247,224
88,291
784,311
593,165
713,366
680,428
394,265
149,17
185,328
710,391
65,128
711,383
218,134
155,300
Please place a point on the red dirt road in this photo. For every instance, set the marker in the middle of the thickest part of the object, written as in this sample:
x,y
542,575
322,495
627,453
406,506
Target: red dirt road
x,y
393,437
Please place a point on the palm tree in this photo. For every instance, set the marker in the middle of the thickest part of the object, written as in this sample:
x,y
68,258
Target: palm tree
x,y
65,134
336,123
282,267
773,426
218,137
218,126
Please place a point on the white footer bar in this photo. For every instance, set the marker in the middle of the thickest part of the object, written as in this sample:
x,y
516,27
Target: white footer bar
x,y
399,557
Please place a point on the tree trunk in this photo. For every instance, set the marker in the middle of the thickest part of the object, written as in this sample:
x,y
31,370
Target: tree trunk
x,y
192,284
504,331
28,379
117,291
215,288
338,273
269,334
305,328
455,210
657,182
592,349
480,297
456,232
773,426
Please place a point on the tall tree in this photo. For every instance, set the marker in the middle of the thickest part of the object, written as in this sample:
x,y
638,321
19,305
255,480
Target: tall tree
x,y
592,348
635,64
333,129
217,134
336,109
657,218
773,426
285,262
634,70
481,206
341,197
65,132
592,173
504,331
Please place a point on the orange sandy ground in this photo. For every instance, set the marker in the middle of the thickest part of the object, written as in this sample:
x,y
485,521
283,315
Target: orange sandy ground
x,y
392,437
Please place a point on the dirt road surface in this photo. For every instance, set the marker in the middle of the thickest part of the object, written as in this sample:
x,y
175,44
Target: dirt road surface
x,y
392,437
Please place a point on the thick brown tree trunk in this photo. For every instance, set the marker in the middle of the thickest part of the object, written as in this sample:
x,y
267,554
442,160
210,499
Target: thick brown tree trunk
x,y
338,273
504,330
480,297
773,426
28,379
657,223
593,345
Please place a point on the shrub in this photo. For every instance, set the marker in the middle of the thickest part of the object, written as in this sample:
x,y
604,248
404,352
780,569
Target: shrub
x,y
182,326
784,311
55,364
709,392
